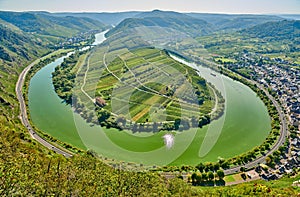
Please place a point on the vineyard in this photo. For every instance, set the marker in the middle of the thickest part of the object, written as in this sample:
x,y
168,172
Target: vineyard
x,y
149,81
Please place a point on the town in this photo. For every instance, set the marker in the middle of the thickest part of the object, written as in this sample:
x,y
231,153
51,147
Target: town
x,y
282,79
83,38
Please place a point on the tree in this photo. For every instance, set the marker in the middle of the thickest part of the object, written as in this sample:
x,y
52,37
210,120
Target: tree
x,y
242,169
267,146
103,115
210,175
200,167
220,174
216,166
243,175
198,179
194,178
209,166
268,159
204,176
90,116
177,123
225,165
134,128
221,160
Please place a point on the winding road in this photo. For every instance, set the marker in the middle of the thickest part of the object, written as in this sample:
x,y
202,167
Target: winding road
x,y
283,128
24,119
23,112
280,141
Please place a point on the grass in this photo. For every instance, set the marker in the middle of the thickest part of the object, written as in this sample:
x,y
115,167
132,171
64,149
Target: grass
x,y
233,178
229,178
280,187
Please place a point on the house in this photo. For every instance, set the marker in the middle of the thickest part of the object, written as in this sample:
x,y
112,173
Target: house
x,y
282,169
100,101
272,177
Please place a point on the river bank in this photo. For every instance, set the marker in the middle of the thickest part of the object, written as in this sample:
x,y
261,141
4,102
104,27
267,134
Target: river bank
x,y
245,124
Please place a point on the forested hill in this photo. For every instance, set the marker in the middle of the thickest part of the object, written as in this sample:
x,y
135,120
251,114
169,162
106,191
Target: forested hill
x,y
25,36
112,18
231,22
280,30
173,20
17,48
197,24
46,24
16,45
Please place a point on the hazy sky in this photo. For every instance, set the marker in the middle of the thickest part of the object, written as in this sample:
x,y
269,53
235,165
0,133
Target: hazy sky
x,y
212,6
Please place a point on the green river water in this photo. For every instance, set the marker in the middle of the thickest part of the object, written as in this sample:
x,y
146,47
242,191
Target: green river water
x,y
244,125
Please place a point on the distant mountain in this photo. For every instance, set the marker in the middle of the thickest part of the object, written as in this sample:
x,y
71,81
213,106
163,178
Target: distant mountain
x,y
281,30
162,14
232,22
46,24
166,19
104,17
25,35
290,16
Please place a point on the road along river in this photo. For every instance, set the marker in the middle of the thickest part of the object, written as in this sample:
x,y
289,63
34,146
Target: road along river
x,y
244,125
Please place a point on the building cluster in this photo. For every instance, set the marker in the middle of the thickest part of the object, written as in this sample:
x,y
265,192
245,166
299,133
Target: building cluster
x,y
285,81
283,78
279,75
78,38
286,165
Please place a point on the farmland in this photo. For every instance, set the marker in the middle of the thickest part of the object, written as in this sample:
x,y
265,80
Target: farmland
x,y
148,77
136,85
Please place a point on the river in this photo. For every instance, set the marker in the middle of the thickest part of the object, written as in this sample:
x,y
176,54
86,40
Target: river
x,y
245,124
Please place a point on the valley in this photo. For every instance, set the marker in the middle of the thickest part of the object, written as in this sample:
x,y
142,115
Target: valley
x,y
158,97
141,143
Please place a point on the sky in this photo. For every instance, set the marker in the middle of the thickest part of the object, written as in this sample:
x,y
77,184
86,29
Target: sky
x,y
203,6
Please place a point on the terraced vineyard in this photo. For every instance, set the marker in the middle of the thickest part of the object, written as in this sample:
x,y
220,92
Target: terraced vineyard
x,y
127,84
146,85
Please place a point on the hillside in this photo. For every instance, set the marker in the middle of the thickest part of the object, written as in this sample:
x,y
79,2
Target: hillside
x,y
233,22
171,20
280,37
16,45
44,24
26,35
217,22
282,30
290,16
107,18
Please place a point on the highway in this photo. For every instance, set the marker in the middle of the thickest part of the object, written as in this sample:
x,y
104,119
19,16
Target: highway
x,y
23,113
